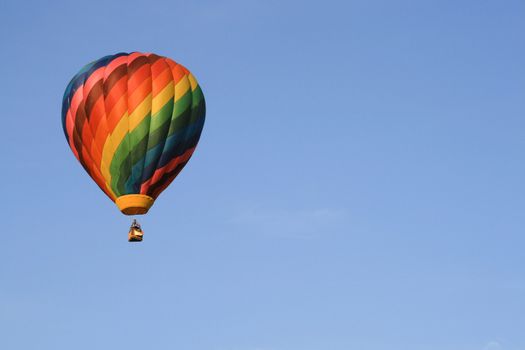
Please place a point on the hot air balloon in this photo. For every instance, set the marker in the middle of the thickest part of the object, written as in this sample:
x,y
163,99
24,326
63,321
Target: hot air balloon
x,y
133,121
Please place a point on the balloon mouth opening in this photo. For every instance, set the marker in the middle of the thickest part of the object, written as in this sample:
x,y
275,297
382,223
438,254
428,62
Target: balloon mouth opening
x,y
134,204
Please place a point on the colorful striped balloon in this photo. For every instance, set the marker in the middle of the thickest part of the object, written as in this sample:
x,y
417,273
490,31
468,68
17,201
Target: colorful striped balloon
x,y
133,121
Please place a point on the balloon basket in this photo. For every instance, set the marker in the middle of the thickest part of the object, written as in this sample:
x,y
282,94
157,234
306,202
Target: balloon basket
x,y
135,233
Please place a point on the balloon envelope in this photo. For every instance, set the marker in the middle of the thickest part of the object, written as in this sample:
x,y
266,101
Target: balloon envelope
x,y
133,121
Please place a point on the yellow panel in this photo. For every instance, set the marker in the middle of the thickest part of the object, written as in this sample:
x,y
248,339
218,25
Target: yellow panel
x,y
140,113
111,144
193,81
181,88
162,98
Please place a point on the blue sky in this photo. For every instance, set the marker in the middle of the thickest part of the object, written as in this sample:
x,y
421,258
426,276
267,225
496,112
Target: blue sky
x,y
358,184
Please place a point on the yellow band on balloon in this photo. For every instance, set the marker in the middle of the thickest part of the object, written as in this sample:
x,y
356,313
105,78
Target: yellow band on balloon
x,y
134,204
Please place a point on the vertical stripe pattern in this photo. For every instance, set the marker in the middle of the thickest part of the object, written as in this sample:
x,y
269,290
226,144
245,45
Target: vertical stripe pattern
x,y
133,121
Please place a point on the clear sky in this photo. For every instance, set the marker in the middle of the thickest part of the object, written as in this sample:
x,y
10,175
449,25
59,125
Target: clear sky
x,y
359,183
